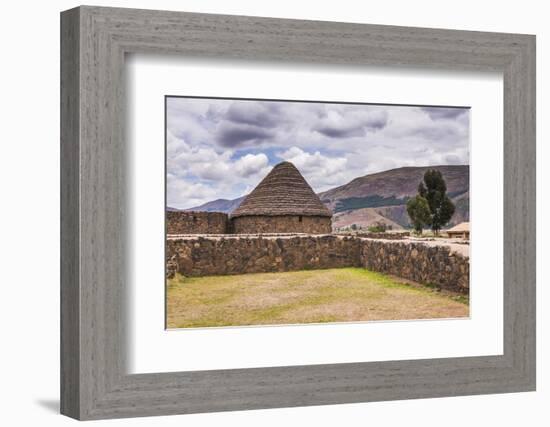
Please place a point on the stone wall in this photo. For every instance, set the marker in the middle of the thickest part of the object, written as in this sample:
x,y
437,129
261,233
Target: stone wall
x,y
239,254
205,256
186,222
281,224
379,235
421,263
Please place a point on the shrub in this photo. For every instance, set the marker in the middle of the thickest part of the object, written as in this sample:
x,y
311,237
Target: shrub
x,y
378,227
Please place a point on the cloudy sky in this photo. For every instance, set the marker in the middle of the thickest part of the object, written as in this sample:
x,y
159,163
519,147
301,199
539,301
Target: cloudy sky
x,y
221,149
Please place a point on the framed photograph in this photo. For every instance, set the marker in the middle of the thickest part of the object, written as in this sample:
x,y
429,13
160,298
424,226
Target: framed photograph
x,y
275,208
262,213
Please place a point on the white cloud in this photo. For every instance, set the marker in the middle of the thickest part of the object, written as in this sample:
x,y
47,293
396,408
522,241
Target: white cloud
x,y
185,194
223,148
197,175
251,164
320,171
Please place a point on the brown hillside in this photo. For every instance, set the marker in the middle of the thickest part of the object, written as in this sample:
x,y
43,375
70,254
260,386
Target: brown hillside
x,y
380,197
397,183
364,217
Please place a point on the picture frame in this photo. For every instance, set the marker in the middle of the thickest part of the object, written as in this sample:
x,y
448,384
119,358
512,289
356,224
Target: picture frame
x,y
94,380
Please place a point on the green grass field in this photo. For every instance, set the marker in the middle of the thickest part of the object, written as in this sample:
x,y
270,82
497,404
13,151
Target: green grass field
x,y
314,296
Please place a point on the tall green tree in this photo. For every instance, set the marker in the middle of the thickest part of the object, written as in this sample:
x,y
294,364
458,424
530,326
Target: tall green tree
x,y
419,212
434,190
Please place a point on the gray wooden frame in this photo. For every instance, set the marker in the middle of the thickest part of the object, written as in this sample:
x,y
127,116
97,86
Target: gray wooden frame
x,y
94,382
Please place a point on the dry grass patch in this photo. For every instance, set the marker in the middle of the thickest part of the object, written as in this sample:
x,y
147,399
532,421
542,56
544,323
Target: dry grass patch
x,y
315,296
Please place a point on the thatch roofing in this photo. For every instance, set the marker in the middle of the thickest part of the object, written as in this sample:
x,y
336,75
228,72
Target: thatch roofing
x,y
284,191
460,228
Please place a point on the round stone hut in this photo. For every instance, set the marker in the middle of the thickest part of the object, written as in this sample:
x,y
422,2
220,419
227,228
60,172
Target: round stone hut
x,y
283,202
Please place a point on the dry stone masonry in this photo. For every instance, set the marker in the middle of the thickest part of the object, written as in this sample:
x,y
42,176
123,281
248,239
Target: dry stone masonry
x,y
186,222
206,255
281,224
240,254
435,265
379,235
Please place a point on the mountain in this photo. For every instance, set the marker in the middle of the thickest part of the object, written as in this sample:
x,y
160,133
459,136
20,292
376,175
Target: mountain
x,y
379,197
365,199
219,205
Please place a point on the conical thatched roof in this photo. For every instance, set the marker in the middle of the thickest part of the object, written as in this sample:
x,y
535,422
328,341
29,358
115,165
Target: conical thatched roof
x,y
284,191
